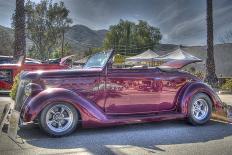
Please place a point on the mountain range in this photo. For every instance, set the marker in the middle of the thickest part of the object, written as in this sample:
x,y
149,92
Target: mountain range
x,y
81,38
6,41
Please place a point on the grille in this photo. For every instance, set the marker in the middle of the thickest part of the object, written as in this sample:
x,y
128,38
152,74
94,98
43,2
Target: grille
x,y
20,96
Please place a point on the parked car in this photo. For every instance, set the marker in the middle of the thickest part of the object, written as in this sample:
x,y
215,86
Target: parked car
x,y
8,70
100,95
5,59
10,60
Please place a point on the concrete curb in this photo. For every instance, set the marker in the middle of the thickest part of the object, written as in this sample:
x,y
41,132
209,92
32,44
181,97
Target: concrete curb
x,y
4,110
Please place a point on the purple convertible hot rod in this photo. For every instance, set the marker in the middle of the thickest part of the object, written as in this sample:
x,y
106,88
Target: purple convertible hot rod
x,y
100,95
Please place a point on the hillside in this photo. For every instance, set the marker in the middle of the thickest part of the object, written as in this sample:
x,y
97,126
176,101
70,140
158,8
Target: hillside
x,y
81,38
6,41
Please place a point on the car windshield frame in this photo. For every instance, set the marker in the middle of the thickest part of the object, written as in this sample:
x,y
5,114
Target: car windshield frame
x,y
103,58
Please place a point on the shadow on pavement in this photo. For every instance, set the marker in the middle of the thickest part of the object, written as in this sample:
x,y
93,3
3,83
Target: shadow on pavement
x,y
146,136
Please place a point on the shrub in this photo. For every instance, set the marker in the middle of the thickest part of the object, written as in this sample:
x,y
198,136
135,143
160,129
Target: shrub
x,y
227,85
199,74
14,88
192,70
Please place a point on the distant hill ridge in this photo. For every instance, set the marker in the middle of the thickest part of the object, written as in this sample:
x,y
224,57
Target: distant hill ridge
x,y
6,40
81,38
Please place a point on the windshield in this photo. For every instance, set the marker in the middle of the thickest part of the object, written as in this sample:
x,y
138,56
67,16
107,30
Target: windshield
x,y
97,60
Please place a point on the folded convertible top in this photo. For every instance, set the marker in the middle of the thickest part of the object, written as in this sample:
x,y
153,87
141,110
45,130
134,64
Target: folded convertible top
x,y
178,64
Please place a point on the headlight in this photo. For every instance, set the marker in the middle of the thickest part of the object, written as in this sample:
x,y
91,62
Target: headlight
x,y
28,89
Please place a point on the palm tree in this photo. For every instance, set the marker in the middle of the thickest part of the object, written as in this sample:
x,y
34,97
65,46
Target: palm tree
x,y
20,39
211,77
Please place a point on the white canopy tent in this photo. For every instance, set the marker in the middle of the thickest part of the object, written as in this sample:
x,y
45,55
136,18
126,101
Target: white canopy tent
x,y
178,54
152,59
146,56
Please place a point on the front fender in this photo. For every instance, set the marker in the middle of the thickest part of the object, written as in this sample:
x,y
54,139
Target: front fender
x,y
88,111
193,88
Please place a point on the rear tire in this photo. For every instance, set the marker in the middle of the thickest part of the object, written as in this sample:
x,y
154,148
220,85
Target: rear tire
x,y
200,109
59,119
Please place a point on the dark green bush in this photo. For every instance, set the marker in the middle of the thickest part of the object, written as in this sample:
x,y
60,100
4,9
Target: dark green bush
x,y
199,74
227,85
14,88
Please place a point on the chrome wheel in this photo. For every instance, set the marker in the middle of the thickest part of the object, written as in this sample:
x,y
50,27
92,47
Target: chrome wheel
x,y
59,118
200,109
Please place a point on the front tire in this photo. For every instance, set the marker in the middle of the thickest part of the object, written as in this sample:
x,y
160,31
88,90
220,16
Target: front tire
x,y
59,119
200,109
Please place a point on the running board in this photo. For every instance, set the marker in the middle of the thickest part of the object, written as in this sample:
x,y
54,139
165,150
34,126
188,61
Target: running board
x,y
143,118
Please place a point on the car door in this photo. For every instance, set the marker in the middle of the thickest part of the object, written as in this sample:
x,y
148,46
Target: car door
x,y
131,91
171,85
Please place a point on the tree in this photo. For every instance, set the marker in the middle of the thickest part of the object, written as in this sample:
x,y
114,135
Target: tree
x,y
19,27
6,42
65,49
46,23
211,77
127,36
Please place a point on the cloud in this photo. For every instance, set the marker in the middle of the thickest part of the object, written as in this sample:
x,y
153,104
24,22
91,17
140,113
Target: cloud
x,y
190,28
6,11
180,21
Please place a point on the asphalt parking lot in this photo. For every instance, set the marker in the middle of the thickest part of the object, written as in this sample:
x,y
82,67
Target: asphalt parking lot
x,y
169,137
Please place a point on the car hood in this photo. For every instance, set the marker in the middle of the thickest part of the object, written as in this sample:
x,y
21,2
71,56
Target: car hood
x,y
32,75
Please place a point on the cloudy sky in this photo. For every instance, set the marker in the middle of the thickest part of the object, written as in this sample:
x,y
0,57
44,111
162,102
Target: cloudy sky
x,y
180,21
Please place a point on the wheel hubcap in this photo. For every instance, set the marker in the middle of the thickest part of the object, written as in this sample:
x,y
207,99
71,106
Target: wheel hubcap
x,y
200,109
59,118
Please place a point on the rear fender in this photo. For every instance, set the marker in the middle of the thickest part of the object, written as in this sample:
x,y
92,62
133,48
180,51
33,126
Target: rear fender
x,y
89,111
192,89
